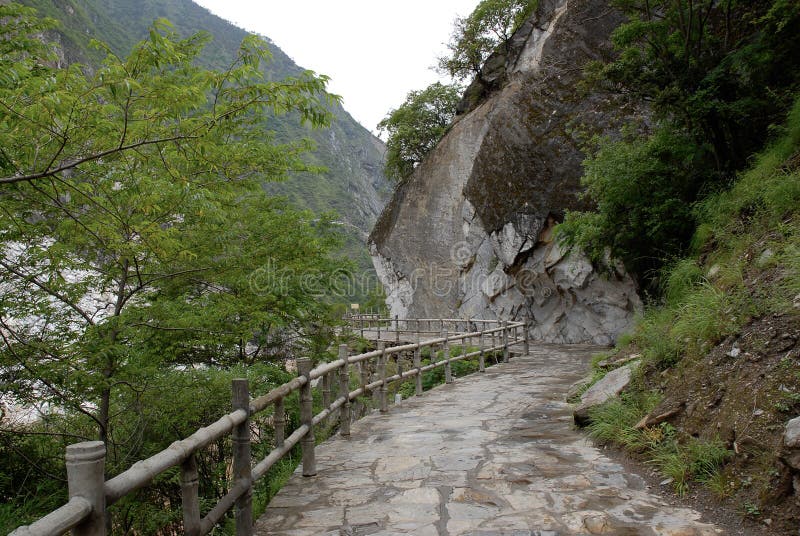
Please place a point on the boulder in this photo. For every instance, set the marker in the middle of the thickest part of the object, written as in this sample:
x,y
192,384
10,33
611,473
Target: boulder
x,y
791,444
610,386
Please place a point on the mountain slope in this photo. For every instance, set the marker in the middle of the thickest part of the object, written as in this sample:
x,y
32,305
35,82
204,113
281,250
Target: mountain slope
x,y
353,185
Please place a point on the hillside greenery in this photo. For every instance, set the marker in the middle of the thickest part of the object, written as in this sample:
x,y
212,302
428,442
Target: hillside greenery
x,y
742,272
348,159
143,265
702,203
717,77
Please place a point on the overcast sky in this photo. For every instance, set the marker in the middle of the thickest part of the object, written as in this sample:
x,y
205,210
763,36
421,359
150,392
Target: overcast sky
x,y
375,51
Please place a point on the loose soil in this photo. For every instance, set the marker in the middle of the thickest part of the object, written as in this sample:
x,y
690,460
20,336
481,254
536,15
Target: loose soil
x,y
743,392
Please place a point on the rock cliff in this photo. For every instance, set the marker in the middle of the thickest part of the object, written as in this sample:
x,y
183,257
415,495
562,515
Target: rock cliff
x,y
470,232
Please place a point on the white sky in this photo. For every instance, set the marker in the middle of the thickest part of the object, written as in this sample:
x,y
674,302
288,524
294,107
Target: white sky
x,y
375,51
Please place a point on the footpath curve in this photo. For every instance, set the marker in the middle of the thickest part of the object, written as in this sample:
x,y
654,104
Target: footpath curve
x,y
491,454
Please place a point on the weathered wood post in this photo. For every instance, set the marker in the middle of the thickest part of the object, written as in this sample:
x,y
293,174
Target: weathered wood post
x,y
383,403
363,368
378,324
448,373
481,356
86,478
240,399
190,499
361,323
397,328
279,422
327,379
344,391
505,341
526,344
307,418
418,366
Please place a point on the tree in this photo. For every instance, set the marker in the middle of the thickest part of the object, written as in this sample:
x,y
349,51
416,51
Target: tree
x,y
135,234
417,126
476,36
723,71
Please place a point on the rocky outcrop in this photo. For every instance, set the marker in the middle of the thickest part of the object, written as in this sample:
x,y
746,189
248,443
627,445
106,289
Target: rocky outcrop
x,y
604,390
471,231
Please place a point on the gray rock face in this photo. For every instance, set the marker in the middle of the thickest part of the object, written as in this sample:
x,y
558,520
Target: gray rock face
x,y
471,230
791,444
610,386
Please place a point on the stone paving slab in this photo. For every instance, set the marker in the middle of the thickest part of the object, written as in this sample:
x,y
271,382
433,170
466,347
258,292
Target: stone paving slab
x,y
491,454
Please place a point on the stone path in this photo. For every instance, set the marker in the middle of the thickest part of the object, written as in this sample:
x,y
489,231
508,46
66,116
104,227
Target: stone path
x,y
491,454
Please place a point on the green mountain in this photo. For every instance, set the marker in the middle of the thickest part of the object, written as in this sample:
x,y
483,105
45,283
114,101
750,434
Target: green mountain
x,y
353,185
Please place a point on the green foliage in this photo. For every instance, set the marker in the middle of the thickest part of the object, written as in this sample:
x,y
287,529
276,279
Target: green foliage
x,y
643,189
416,127
683,461
614,421
712,296
681,279
717,77
703,303
724,71
475,37
33,471
20,50
693,460
142,261
351,156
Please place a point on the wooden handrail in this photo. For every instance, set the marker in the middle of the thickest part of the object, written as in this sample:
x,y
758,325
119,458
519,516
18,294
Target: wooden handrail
x,y
82,508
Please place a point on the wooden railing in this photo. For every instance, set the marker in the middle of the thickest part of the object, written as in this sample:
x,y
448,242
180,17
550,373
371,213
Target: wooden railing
x,y
90,494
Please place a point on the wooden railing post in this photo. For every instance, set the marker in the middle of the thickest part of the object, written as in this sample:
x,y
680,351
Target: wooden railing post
x,y
279,422
481,356
307,418
448,373
241,459
396,328
363,368
378,324
526,344
344,390
86,478
190,499
505,341
361,323
384,406
418,366
327,379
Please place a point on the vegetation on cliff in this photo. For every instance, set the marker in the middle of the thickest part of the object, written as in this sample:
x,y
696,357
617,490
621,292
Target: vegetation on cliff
x,y
476,36
717,77
417,125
